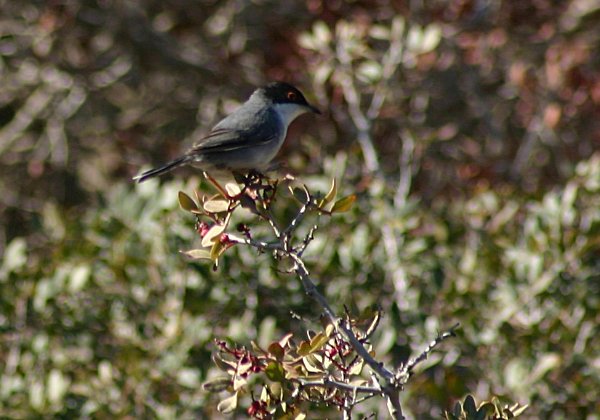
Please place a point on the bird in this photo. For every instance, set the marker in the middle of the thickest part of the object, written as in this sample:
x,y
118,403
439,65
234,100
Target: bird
x,y
248,138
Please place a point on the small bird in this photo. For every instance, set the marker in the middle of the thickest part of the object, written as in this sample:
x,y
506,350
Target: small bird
x,y
247,139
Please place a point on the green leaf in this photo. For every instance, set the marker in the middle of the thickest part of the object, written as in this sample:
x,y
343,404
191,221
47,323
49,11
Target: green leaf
x,y
57,386
79,277
218,384
380,32
197,254
370,71
322,33
15,255
432,35
228,404
275,372
186,202
344,204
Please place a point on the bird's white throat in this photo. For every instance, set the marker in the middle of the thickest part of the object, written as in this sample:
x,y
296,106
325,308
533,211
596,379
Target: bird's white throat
x,y
289,112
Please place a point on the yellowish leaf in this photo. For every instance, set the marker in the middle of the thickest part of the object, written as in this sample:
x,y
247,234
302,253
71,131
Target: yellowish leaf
x,y
217,250
330,195
344,204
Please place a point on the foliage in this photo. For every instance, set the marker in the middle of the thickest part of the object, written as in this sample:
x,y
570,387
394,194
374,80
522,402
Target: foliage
x,y
326,369
468,410
470,143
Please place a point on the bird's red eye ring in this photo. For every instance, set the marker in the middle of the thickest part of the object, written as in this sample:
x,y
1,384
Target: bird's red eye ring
x,y
291,95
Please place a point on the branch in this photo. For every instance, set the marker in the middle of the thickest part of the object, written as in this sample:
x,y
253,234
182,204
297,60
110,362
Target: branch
x,y
390,388
386,379
260,245
307,239
409,367
360,120
330,383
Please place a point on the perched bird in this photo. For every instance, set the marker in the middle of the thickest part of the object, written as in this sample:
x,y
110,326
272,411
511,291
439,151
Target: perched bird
x,y
247,139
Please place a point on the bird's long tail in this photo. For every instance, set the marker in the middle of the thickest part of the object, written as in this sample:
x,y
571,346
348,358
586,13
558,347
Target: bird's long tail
x,y
161,170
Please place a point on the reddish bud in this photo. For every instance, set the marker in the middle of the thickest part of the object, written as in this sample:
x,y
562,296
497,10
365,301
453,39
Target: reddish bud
x,y
203,228
254,408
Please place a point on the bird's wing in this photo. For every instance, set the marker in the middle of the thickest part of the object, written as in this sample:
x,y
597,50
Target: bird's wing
x,y
223,140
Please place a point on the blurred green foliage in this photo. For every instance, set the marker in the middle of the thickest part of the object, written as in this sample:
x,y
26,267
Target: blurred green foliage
x,y
483,206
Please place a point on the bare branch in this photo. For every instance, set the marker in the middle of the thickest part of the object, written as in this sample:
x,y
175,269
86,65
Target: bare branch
x,y
260,245
390,389
307,239
408,368
342,386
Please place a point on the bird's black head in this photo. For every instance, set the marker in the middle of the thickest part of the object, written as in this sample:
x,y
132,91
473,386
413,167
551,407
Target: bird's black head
x,y
284,93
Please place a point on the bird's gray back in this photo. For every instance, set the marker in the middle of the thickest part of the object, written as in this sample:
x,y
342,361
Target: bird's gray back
x,y
248,137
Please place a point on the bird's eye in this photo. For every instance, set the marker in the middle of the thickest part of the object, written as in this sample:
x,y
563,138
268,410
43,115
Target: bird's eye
x,y
292,96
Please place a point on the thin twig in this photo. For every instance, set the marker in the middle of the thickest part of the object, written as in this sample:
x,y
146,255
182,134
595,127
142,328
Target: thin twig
x,y
260,245
408,368
307,240
342,386
406,169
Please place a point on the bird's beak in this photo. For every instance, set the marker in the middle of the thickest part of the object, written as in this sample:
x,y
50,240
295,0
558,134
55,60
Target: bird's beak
x,y
313,109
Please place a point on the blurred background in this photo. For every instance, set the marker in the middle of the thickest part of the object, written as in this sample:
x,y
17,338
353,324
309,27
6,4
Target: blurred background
x,y
470,130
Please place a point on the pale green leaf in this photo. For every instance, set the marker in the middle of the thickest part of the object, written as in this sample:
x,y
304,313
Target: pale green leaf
x,y
369,71
228,405
213,232
379,32
431,38
197,254
216,206
233,189
322,33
